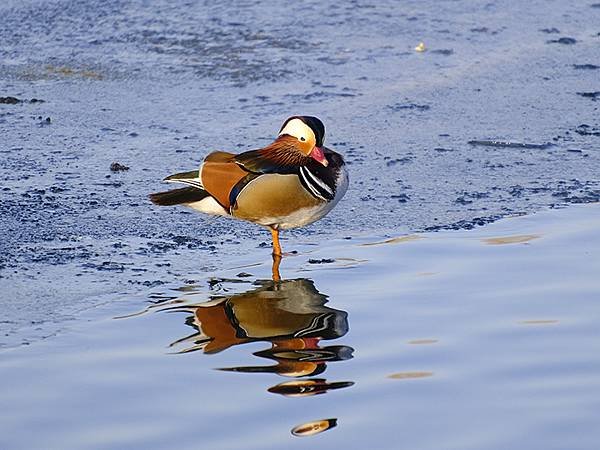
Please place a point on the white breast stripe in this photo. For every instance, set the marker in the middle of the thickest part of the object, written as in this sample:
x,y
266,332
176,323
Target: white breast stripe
x,y
319,181
313,190
310,186
313,325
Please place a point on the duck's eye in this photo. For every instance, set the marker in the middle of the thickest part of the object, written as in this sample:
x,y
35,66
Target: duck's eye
x,y
303,139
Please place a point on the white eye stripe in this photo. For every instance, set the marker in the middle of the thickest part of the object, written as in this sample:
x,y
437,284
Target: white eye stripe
x,y
298,129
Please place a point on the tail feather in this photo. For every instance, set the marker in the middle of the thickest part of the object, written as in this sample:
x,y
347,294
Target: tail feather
x,y
178,196
192,178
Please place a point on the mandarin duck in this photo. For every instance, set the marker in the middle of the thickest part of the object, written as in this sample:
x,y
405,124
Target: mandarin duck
x,y
289,314
292,182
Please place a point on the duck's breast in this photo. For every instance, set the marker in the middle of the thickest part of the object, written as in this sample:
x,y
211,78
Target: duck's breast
x,y
274,200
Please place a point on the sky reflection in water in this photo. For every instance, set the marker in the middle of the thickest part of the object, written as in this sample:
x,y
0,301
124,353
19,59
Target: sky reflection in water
x,y
457,344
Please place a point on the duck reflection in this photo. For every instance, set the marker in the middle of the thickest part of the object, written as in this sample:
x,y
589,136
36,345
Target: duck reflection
x,y
291,315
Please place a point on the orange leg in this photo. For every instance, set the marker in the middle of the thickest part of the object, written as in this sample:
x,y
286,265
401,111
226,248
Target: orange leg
x,y
276,255
276,246
275,268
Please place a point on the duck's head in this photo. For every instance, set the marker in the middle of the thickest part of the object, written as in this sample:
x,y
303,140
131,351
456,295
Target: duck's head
x,y
310,133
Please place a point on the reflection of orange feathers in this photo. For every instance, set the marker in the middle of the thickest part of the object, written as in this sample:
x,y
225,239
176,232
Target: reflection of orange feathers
x,y
291,365
216,324
296,344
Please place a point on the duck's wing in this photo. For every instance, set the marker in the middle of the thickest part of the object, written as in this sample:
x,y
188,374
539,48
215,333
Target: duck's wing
x,y
224,175
211,185
223,178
